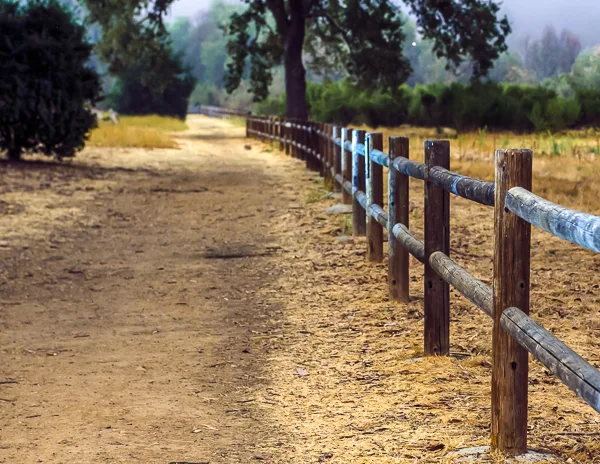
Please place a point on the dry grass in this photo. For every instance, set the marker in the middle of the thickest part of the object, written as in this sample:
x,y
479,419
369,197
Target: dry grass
x,y
237,121
569,176
366,398
137,132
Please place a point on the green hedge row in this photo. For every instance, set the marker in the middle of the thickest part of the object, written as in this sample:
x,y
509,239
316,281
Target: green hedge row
x,y
464,107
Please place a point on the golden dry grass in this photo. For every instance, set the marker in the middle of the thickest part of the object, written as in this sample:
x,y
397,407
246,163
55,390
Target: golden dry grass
x,y
137,132
366,399
566,167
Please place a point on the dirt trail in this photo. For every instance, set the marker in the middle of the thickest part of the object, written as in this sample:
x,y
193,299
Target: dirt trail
x,y
127,301
198,305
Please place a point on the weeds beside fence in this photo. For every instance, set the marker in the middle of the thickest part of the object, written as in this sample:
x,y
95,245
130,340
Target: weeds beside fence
x,y
353,161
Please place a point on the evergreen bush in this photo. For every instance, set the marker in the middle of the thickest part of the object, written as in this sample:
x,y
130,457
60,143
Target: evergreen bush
x,y
46,89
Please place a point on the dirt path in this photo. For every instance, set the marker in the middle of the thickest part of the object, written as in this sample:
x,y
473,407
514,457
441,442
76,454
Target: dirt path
x,y
197,305
127,301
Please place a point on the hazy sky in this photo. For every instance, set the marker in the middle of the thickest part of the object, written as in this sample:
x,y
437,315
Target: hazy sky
x,y
527,16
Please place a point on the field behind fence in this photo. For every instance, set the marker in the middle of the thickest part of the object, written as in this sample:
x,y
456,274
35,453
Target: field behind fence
x,y
353,161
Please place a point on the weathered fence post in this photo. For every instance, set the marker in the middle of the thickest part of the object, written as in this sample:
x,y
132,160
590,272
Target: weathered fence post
x,y
301,136
300,152
317,141
374,195
307,141
308,144
286,136
346,166
280,133
327,155
437,238
319,146
269,130
294,139
511,288
359,224
314,145
337,158
398,209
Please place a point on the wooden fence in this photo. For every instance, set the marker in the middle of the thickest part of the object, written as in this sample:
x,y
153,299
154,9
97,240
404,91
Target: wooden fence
x,y
353,161
218,112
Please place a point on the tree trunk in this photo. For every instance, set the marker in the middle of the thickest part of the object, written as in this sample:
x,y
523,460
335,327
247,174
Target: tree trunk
x,y
295,75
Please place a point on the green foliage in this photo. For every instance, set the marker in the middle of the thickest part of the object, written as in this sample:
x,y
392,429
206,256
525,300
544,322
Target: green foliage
x,y
365,39
552,54
130,28
166,93
45,87
463,28
586,70
202,42
465,107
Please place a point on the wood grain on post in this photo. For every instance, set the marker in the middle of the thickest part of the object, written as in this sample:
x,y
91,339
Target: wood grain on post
x,y
398,267
511,288
346,135
374,191
437,238
359,219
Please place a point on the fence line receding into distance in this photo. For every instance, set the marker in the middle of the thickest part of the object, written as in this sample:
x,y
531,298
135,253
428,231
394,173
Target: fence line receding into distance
x,y
353,161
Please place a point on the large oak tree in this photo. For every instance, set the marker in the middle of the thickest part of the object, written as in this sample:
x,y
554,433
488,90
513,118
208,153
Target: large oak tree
x,y
363,37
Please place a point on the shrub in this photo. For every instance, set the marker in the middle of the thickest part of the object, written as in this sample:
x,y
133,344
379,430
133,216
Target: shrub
x,y
154,84
464,107
45,88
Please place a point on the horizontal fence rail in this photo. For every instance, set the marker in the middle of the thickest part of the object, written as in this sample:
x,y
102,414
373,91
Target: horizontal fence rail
x,y
216,111
353,161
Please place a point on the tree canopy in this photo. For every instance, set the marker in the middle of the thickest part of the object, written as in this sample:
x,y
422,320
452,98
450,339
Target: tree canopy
x,y
365,37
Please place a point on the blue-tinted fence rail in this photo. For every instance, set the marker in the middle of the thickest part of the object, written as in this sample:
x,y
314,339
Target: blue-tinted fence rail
x,y
351,162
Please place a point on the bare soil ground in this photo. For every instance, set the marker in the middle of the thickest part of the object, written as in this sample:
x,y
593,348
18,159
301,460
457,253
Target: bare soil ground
x,y
198,305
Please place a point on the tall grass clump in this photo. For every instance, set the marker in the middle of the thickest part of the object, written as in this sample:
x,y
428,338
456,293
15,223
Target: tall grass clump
x,y
137,132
